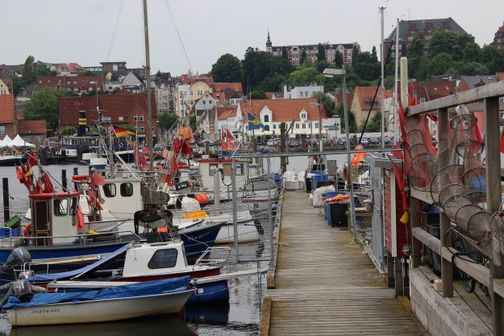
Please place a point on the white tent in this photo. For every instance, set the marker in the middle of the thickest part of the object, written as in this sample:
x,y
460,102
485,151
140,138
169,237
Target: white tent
x,y
6,142
20,142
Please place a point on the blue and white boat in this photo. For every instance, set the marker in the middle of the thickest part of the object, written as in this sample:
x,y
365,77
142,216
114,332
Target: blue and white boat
x,y
158,297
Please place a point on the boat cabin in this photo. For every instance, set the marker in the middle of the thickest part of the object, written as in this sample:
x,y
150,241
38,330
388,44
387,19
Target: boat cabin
x,y
122,197
150,259
54,218
207,168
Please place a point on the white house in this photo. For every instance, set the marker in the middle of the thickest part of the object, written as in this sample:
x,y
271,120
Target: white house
x,y
301,116
301,91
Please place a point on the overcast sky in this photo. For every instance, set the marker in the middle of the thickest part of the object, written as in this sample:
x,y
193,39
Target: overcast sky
x,y
90,31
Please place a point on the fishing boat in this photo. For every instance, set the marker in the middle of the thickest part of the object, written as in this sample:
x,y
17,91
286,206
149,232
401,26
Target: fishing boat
x,y
128,301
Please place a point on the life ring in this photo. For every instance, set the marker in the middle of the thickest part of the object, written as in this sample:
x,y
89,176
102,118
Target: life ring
x,y
80,178
27,230
121,145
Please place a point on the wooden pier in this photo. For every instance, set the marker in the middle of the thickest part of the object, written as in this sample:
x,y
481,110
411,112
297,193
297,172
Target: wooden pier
x,y
324,284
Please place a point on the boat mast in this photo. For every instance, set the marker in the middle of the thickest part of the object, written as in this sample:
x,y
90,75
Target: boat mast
x,y
382,82
148,132
396,84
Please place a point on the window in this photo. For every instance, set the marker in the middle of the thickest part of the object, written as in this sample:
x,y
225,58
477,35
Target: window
x,y
213,167
142,129
126,189
303,125
120,118
163,259
303,115
422,99
316,125
60,207
239,169
141,118
266,128
135,118
274,126
109,189
297,126
266,118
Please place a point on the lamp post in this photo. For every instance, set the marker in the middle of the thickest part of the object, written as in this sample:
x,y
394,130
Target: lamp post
x,y
321,143
328,72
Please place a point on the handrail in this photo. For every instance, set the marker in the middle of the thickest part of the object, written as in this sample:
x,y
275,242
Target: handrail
x,y
203,260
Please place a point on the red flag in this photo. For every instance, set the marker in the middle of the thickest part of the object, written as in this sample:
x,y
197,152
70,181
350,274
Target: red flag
x,y
502,143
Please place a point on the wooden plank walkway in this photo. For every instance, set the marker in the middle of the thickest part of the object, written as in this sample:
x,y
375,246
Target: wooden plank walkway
x,y
324,285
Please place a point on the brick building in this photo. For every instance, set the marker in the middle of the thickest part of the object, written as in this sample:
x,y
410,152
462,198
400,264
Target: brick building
x,y
295,52
424,28
119,108
498,41
76,84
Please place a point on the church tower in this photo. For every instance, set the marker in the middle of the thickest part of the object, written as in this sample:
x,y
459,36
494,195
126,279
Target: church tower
x,y
269,47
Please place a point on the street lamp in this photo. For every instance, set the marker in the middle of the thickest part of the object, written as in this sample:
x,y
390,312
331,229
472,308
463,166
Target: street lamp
x,y
321,143
330,73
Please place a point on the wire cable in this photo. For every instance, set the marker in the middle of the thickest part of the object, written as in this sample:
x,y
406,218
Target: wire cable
x,y
178,34
115,30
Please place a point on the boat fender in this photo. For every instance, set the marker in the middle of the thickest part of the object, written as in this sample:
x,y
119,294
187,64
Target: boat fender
x,y
27,230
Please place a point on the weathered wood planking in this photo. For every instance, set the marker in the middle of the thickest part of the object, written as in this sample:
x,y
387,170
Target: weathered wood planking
x,y
324,285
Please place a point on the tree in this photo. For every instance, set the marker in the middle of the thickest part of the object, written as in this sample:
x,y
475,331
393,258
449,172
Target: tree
x,y
441,63
167,120
327,103
338,59
259,94
416,47
340,113
285,54
303,57
258,65
321,56
44,105
374,57
227,69
86,73
306,75
374,124
29,74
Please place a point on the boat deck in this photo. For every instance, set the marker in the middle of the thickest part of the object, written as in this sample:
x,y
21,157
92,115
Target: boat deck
x,y
325,285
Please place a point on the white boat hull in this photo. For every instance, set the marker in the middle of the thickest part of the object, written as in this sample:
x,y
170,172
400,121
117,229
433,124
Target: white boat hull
x,y
99,310
247,232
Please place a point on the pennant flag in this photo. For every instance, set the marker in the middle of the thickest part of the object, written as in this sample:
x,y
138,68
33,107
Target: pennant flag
x,y
253,122
121,132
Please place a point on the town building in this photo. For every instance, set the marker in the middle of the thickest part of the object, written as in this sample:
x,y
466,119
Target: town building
x,y
298,92
498,41
32,131
11,70
5,88
118,108
7,116
362,103
114,67
294,53
65,69
302,114
424,29
75,84
228,93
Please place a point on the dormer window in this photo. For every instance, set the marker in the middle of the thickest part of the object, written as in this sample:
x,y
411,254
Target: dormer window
x,y
303,115
266,118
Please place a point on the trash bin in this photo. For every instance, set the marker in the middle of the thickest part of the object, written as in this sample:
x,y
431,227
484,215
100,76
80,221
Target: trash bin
x,y
337,212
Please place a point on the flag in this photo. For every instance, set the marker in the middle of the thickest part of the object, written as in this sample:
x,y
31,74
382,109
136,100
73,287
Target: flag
x,y
121,132
253,122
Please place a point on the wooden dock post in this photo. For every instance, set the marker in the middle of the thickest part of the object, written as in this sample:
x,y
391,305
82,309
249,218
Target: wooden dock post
x,y
5,185
283,159
493,202
444,221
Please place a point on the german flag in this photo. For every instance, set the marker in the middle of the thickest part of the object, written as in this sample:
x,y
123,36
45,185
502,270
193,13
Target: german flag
x,y
121,132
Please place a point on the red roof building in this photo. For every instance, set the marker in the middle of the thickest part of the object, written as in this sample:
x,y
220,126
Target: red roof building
x,y
224,92
302,113
362,102
76,84
119,108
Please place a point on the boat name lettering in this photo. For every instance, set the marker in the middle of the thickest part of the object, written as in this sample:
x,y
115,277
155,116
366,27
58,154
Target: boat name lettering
x,y
46,311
